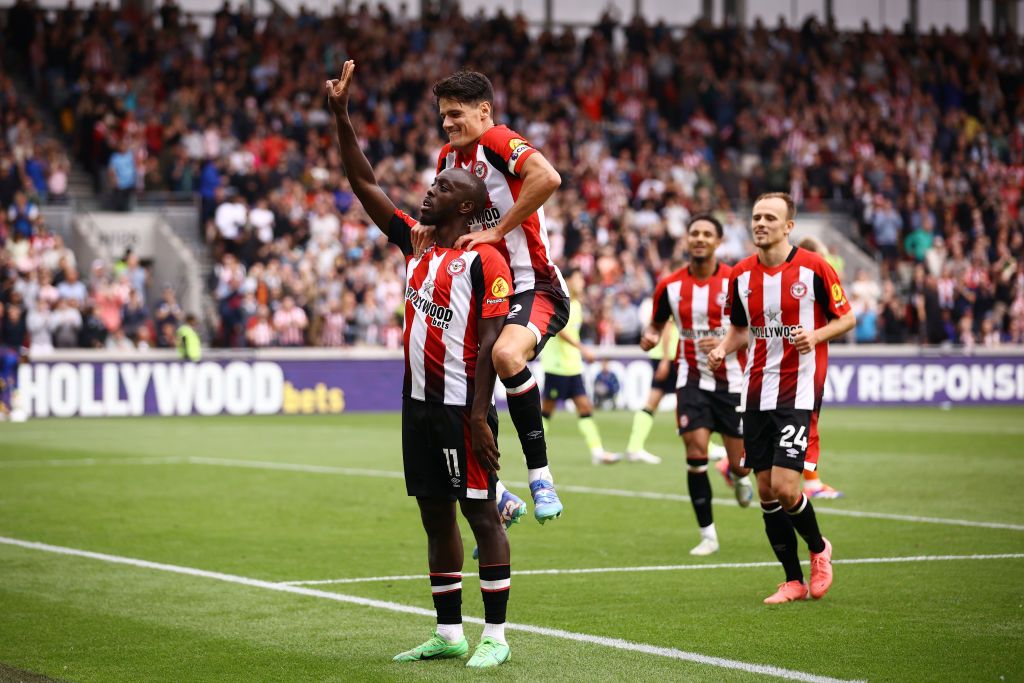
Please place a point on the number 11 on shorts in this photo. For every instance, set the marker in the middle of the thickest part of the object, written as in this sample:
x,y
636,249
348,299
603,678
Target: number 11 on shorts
x,y
451,459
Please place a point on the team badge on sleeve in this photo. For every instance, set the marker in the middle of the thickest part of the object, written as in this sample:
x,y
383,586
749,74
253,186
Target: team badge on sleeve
x,y
457,267
514,143
499,288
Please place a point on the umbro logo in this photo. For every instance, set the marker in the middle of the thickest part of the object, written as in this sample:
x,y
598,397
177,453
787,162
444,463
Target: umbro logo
x,y
535,434
455,481
792,452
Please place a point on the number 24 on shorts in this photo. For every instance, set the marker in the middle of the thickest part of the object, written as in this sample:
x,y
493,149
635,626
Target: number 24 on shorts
x,y
792,437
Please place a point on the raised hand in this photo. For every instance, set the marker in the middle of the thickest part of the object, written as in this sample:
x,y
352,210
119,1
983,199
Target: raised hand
x,y
338,88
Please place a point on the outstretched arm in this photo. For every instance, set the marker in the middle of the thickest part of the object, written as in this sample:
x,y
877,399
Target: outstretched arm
x,y
360,174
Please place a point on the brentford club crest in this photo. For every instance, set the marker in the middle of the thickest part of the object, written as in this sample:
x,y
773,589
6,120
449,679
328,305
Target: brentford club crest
x,y
798,290
457,267
722,298
480,170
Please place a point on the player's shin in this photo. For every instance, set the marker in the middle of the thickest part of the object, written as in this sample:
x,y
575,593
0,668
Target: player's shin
x,y
524,409
806,523
782,537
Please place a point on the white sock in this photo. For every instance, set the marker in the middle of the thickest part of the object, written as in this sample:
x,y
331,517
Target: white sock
x,y
499,490
450,632
496,631
708,532
541,473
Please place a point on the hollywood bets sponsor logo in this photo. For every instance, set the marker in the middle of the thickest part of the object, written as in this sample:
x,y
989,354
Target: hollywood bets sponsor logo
x,y
489,219
440,316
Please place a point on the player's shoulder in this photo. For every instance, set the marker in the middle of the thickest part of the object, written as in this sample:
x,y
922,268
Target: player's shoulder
x,y
745,265
403,217
501,136
724,270
446,149
675,276
485,252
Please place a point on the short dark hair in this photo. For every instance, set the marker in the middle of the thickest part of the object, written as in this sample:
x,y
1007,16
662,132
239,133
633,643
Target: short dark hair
x,y
710,219
466,87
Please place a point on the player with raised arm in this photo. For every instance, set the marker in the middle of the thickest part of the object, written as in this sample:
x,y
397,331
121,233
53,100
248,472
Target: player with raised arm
x,y
455,301
519,180
790,303
697,297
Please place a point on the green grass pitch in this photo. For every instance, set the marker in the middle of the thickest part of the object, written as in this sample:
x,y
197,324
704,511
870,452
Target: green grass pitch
x,y
922,478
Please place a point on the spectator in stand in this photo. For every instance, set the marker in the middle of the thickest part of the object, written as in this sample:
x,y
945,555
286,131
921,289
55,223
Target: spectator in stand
x,y
260,330
133,315
290,323
66,324
72,288
122,176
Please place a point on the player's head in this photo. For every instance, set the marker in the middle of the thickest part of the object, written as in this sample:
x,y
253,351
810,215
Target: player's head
x,y
703,236
456,198
466,102
772,219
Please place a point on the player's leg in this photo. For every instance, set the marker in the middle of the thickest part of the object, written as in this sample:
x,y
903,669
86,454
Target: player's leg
x,y
699,487
643,420
759,439
587,426
532,320
428,471
444,559
814,487
788,466
495,581
728,422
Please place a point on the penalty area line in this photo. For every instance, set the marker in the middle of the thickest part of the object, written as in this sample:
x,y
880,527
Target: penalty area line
x,y
615,643
668,568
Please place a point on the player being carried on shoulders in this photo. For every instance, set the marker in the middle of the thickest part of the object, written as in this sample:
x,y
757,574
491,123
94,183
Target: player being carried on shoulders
x,y
455,301
790,303
697,297
518,180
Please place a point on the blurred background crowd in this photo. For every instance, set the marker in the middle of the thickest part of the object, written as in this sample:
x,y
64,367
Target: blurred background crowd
x,y
918,139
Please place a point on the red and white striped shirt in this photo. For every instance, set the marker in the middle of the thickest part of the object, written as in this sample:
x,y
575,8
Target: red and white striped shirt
x,y
497,159
700,309
447,291
773,302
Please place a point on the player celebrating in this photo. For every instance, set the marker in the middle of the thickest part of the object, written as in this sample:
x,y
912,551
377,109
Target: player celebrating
x,y
455,301
706,400
563,375
791,302
519,180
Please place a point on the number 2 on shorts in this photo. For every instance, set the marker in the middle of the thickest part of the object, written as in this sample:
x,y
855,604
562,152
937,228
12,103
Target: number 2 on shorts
x,y
788,440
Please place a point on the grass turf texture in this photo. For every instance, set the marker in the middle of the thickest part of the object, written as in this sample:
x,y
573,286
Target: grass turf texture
x,y
80,619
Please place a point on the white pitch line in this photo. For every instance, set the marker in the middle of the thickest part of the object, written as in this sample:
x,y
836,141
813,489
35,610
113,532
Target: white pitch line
x,y
91,462
616,643
669,568
622,493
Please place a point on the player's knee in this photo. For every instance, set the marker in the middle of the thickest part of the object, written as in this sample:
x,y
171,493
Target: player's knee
x,y
481,515
508,360
696,465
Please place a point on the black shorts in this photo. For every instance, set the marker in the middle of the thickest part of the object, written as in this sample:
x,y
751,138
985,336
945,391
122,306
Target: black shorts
x,y
776,438
667,385
563,387
698,408
543,313
437,452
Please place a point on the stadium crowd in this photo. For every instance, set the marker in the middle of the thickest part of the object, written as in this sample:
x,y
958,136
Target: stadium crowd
x,y
918,138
